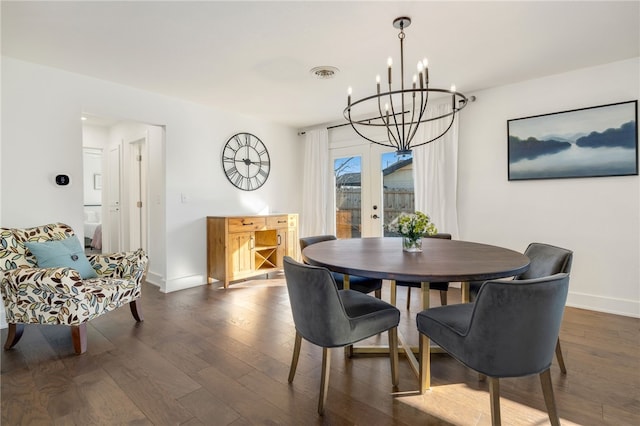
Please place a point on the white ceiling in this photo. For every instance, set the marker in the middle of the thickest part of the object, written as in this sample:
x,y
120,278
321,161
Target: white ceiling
x,y
254,57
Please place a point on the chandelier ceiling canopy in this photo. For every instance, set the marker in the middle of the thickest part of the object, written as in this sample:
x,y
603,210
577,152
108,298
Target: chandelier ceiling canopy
x,y
399,113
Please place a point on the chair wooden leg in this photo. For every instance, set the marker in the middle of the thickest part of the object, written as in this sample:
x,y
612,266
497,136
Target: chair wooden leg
x,y
79,337
563,369
14,335
443,297
294,358
425,363
494,395
549,398
136,310
408,297
393,290
393,355
324,384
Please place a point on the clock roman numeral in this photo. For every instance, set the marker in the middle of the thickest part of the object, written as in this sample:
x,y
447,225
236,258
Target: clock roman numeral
x,y
237,181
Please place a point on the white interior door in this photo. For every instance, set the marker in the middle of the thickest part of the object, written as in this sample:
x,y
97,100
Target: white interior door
x,y
114,219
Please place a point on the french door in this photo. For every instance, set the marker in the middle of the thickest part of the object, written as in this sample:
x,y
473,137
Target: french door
x,y
372,186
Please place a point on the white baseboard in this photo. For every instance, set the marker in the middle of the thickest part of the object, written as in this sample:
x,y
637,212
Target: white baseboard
x,y
182,283
611,305
155,279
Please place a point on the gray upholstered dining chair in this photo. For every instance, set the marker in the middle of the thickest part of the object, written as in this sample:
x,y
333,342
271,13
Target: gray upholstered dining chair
x,y
545,260
510,331
361,284
328,317
443,287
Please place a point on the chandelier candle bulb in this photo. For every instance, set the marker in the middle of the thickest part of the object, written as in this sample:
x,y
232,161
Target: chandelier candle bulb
x,y
349,91
378,83
453,98
425,63
389,63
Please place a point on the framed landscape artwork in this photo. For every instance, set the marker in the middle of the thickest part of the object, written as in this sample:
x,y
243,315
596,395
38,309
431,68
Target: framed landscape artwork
x,y
588,142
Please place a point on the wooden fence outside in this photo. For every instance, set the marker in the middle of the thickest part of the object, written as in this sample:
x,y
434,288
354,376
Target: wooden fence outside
x,y
349,203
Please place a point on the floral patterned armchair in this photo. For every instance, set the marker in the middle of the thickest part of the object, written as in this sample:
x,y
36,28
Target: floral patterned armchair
x,y
59,295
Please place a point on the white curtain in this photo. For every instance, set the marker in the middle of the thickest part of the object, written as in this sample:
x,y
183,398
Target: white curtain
x,y
435,172
316,185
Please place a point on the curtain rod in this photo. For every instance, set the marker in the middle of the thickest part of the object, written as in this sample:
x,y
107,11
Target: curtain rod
x,y
328,128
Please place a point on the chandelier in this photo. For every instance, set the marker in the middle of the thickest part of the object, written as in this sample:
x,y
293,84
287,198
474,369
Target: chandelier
x,y
401,112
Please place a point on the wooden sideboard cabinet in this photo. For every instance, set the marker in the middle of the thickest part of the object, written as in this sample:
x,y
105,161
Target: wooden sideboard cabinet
x,y
240,247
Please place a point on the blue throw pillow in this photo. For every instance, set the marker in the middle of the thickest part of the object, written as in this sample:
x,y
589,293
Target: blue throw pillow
x,y
67,253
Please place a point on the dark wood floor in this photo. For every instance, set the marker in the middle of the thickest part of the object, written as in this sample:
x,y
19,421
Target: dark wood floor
x,y
208,356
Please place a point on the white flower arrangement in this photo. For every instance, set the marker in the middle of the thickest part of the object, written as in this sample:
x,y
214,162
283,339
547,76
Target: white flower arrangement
x,y
413,225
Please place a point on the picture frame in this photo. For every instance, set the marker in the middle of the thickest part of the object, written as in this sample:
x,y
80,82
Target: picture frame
x,y
97,181
596,141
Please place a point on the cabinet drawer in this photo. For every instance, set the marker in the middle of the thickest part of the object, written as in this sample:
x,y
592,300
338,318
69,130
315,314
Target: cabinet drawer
x,y
277,221
244,224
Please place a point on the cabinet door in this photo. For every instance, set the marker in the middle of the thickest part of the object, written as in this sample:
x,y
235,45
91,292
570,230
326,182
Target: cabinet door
x,y
241,253
283,238
288,244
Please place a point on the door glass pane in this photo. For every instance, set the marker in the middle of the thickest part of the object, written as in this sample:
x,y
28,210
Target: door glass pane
x,y
397,187
348,178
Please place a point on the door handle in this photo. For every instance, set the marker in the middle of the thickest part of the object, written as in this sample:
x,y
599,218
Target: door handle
x,y
375,216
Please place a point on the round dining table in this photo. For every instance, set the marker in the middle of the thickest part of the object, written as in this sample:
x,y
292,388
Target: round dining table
x,y
440,260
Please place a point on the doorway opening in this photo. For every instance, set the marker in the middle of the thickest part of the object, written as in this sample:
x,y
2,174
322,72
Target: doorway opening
x,y
123,180
372,187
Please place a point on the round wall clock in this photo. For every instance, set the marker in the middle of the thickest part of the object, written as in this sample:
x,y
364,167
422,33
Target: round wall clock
x,y
246,161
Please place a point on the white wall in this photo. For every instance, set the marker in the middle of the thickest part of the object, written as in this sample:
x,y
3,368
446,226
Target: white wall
x,y
597,218
42,136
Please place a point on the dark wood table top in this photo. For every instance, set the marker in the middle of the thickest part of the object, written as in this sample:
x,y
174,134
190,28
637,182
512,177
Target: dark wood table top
x,y
441,260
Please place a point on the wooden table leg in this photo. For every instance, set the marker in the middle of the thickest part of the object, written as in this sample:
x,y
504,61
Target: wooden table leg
x,y
465,292
424,289
393,291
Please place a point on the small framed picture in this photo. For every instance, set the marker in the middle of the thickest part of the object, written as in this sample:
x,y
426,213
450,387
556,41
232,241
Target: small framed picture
x,y
97,181
588,142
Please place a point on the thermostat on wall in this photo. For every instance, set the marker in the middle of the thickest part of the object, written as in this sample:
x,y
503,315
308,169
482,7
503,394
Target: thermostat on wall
x,y
62,180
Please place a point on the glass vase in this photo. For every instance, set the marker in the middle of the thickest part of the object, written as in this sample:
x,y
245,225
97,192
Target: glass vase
x,y
412,245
